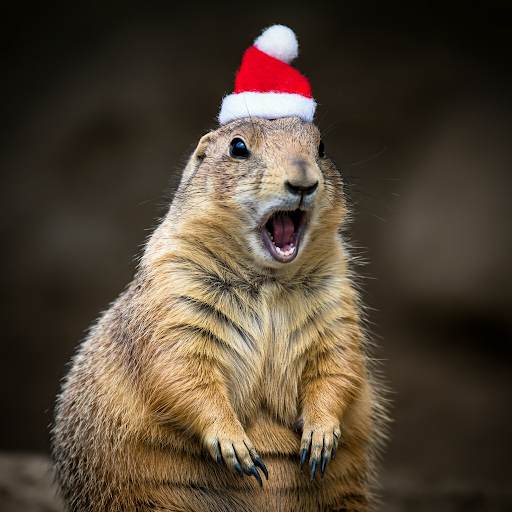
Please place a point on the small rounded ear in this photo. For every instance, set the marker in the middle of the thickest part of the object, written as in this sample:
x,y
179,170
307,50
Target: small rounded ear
x,y
200,151
196,158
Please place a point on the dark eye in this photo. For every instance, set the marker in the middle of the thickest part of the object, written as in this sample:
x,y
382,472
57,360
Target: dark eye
x,y
238,149
321,150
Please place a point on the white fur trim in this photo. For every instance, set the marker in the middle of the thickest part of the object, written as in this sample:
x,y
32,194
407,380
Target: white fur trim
x,y
279,42
268,105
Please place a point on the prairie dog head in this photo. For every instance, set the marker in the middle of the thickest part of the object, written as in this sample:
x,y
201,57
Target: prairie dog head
x,y
263,189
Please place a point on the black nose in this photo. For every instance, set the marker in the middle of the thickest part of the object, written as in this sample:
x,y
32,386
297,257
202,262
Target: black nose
x,y
301,190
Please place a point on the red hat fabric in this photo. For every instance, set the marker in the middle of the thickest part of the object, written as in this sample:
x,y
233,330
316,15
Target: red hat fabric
x,y
266,85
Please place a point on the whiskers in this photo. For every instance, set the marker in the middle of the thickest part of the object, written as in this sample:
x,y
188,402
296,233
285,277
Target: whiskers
x,y
355,188
365,200
334,125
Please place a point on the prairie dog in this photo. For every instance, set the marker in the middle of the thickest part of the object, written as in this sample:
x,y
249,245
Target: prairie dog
x,y
236,350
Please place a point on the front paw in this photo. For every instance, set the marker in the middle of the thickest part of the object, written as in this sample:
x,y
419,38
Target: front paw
x,y
321,441
231,447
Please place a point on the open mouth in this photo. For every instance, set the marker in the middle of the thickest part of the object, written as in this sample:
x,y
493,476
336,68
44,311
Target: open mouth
x,y
282,233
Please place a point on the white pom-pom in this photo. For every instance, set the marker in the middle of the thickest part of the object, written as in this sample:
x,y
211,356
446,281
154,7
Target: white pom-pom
x,y
278,41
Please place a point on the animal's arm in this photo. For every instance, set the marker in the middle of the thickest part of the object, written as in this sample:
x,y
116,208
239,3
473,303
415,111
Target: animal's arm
x,y
333,373
189,391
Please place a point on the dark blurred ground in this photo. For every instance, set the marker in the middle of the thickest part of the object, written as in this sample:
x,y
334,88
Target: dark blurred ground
x,y
100,103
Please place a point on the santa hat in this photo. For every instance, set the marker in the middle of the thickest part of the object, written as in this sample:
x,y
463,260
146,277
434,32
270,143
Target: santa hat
x,y
266,85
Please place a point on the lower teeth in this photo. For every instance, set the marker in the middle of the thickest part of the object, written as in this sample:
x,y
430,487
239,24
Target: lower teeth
x,y
285,253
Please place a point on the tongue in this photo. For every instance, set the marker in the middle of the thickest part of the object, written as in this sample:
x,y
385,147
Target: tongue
x,y
283,229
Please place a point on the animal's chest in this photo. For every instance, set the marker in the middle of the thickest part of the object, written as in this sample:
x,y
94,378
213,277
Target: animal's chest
x,y
281,331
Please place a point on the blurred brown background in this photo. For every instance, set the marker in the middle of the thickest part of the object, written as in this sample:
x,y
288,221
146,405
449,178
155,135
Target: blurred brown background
x,y
102,100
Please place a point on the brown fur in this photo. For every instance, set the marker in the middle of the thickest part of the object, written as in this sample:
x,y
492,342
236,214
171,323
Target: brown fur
x,y
216,350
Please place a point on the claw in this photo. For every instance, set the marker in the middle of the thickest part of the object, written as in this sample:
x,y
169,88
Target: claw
x,y
254,471
258,462
335,446
220,461
303,454
239,469
324,462
313,469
